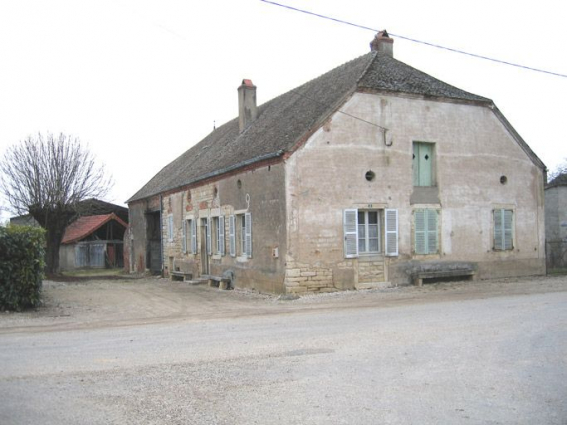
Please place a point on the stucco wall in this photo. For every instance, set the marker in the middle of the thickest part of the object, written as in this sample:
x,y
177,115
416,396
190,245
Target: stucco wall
x,y
556,226
260,192
472,151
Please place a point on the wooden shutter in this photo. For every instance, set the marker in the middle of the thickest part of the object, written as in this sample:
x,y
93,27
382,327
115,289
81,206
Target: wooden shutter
x,y
209,241
194,236
422,164
507,218
498,242
350,229
248,229
221,235
503,234
231,236
432,231
184,236
419,231
391,225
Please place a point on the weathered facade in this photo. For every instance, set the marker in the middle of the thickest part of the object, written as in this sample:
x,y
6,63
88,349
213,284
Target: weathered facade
x,y
366,176
556,222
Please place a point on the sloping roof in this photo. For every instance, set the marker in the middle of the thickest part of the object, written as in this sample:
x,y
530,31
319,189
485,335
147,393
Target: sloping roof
x,y
560,180
84,226
284,121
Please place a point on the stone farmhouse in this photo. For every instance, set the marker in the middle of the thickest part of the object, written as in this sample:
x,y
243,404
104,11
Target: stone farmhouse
x,y
372,174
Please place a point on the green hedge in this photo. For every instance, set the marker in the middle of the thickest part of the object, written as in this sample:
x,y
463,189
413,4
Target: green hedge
x,y
22,261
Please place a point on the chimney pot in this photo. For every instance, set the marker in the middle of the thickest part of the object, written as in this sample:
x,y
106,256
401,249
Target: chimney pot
x,y
247,109
382,43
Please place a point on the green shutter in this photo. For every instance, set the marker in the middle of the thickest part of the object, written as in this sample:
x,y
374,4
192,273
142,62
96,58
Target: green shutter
x,y
426,231
420,239
422,164
431,231
503,233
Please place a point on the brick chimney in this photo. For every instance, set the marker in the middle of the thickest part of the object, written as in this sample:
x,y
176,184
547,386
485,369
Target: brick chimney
x,y
382,43
247,109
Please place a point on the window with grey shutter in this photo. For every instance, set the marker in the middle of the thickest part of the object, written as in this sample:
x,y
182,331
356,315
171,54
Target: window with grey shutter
x,y
350,230
503,234
193,236
231,236
221,235
184,236
209,242
391,225
248,230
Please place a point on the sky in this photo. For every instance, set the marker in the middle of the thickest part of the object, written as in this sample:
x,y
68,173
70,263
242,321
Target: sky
x,y
139,82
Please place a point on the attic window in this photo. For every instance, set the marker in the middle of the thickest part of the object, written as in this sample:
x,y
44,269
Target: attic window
x,y
370,175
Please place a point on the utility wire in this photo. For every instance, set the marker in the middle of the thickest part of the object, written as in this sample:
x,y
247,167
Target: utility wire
x,y
384,129
415,40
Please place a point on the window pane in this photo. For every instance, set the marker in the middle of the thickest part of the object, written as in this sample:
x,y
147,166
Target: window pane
x,y
373,245
361,231
372,230
361,245
361,217
372,217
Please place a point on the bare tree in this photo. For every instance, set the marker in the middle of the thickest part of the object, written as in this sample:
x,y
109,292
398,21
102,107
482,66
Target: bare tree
x,y
560,172
46,177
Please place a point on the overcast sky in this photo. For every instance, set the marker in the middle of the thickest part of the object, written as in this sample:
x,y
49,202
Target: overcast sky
x,y
140,82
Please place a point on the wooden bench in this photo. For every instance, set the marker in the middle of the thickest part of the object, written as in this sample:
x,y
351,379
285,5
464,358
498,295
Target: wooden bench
x,y
218,281
441,271
179,275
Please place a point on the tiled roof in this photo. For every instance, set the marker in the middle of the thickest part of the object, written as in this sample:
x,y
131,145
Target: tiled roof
x,y
286,120
84,226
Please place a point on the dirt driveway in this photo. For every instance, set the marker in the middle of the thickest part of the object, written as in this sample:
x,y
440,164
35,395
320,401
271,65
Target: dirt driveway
x,y
99,303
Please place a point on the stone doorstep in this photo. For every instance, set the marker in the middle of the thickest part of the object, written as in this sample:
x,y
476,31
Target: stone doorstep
x,y
373,285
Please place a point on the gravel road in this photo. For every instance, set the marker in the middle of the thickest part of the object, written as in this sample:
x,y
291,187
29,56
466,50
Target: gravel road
x,y
158,352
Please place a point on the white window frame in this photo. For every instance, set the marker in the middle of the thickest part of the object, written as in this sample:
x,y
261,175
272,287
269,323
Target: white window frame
x,y
366,224
388,232
193,235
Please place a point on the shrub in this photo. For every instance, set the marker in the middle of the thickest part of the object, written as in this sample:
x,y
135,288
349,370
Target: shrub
x,y
22,262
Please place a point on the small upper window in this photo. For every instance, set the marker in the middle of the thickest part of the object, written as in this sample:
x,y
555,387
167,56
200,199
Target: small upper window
x,y
423,166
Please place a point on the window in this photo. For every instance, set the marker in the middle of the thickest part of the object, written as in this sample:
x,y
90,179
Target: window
x,y
503,234
423,166
426,231
368,232
184,236
189,242
363,232
170,228
218,229
240,235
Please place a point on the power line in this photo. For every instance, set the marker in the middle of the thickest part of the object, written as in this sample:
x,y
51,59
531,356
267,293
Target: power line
x,y
415,40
